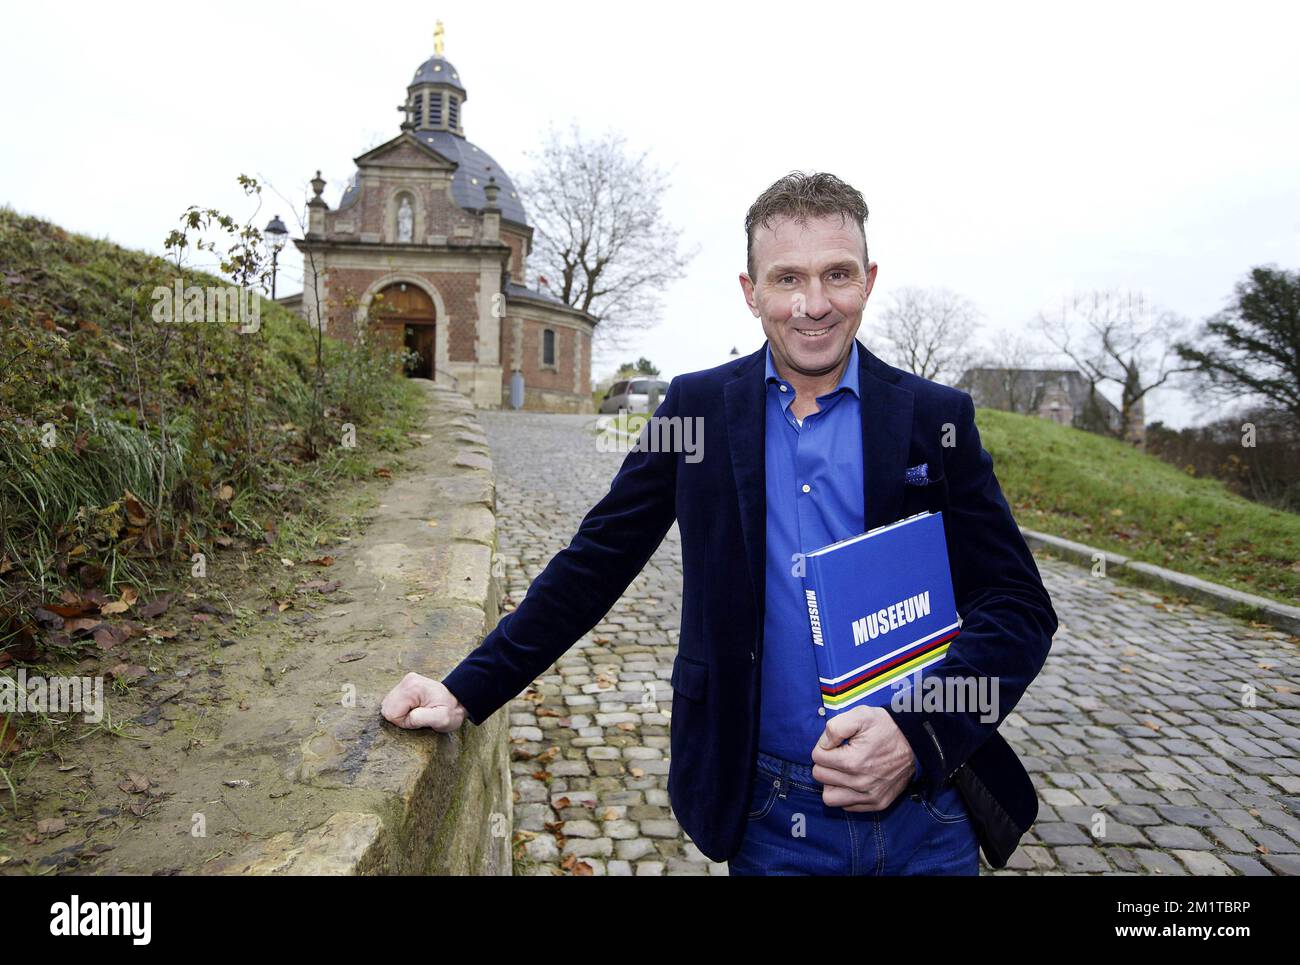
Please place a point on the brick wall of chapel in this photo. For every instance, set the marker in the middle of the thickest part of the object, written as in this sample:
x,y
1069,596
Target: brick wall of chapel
x,y
572,348
517,248
458,290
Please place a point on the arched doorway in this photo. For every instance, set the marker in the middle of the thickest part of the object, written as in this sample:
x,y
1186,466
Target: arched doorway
x,y
407,317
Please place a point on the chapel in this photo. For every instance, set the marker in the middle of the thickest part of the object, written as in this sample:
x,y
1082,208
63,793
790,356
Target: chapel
x,y
428,249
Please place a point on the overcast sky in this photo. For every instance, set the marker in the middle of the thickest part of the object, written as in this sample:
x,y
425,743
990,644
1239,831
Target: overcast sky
x,y
1012,153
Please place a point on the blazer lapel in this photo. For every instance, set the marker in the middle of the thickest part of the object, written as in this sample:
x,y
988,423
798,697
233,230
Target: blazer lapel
x,y
745,401
886,438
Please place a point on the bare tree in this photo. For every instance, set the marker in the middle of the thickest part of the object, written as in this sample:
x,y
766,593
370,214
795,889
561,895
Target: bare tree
x,y
1005,354
1119,337
602,242
929,331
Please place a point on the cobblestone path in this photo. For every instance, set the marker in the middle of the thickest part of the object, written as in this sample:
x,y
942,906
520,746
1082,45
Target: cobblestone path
x,y
1139,732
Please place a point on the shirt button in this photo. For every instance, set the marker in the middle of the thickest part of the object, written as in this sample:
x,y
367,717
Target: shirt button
x,y
784,388
807,488
821,711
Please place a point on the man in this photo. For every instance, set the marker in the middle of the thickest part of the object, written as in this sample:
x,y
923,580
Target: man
x,y
808,440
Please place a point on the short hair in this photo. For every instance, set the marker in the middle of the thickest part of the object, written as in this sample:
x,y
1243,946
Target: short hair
x,y
802,196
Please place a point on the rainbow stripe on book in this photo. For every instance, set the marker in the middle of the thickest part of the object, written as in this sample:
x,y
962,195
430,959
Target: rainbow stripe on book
x,y
883,671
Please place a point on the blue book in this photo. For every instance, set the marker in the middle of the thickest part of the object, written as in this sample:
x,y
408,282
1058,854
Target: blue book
x,y
881,609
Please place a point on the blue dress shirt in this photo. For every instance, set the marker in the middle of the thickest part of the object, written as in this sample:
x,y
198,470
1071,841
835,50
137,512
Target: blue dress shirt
x,y
814,497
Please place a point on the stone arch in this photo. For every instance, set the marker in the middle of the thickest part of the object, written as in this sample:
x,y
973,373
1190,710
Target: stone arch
x,y
441,366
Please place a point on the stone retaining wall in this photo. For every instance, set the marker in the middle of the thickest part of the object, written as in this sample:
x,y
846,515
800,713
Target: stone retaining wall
x,y
411,802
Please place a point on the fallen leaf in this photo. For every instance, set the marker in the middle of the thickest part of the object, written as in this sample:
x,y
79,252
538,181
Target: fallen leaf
x,y
74,609
51,826
156,607
135,783
47,618
135,511
128,671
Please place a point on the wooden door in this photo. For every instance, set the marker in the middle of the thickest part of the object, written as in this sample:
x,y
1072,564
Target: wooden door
x,y
409,314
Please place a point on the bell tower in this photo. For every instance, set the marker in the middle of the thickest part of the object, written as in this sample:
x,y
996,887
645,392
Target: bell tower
x,y
435,95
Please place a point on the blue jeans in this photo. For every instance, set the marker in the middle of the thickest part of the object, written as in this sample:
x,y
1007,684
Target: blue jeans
x,y
792,832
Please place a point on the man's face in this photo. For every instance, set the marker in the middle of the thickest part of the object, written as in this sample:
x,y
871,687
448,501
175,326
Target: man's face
x,y
809,289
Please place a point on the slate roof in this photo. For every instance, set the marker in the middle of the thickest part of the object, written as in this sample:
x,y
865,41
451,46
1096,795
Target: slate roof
x,y
471,175
521,291
437,70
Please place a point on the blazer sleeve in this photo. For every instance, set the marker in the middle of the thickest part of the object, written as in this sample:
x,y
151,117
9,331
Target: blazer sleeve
x,y
580,584
1007,616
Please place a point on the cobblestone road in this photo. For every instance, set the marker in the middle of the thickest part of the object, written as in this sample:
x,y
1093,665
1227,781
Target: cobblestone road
x,y
1146,756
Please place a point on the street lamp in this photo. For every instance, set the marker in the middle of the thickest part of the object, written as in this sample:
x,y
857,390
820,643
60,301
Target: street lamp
x,y
276,235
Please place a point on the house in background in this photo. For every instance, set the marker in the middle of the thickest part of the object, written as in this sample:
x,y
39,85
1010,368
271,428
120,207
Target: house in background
x,y
429,247
1062,395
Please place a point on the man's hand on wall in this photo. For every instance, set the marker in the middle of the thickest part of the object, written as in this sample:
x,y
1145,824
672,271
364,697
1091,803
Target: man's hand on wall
x,y
420,702
863,760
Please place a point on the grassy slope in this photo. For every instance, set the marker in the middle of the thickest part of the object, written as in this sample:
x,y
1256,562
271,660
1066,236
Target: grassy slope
x,y
1105,493
65,337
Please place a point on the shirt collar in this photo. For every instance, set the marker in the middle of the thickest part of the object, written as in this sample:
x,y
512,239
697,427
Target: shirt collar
x,y
848,380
